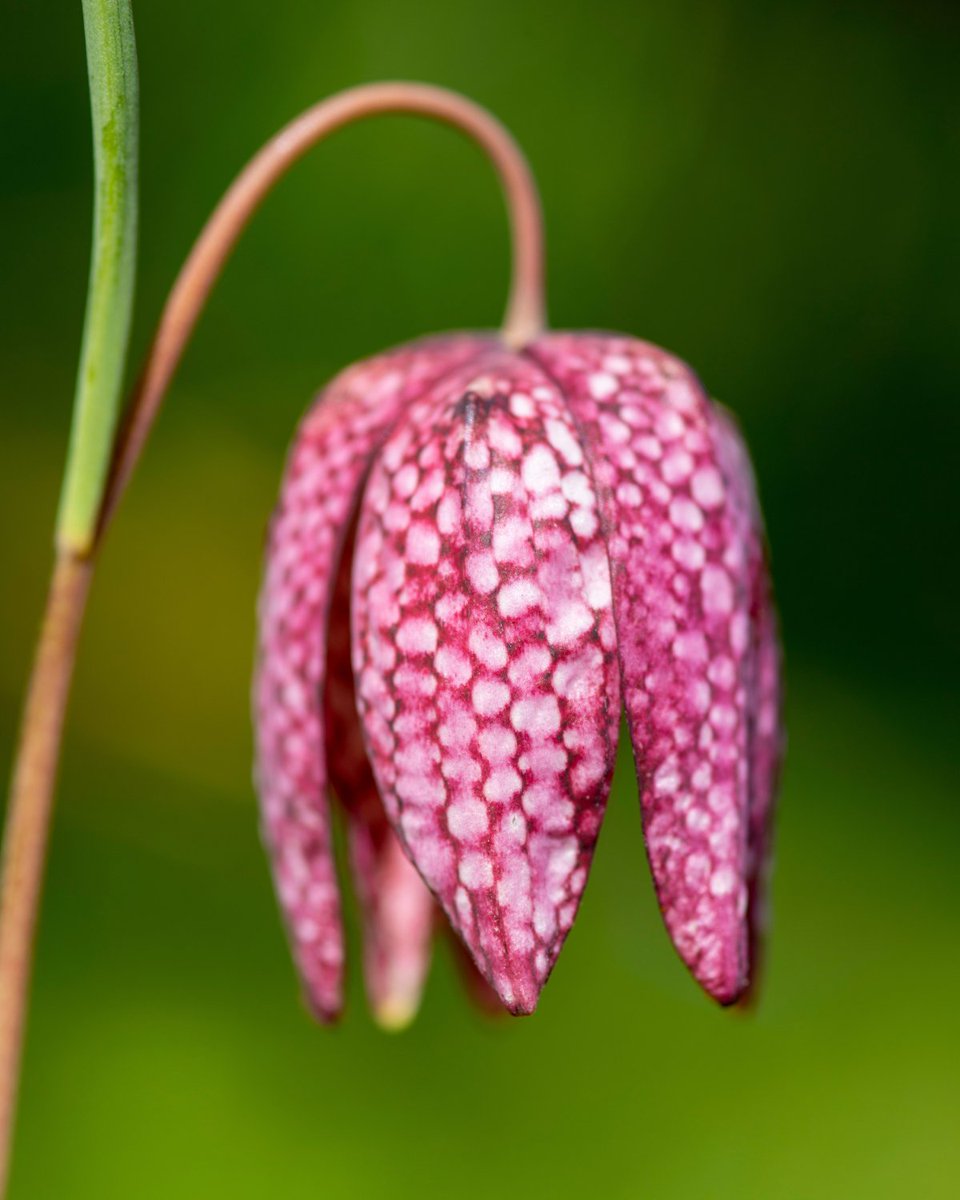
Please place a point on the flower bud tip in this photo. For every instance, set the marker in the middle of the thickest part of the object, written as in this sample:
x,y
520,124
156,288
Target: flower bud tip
x,y
395,1013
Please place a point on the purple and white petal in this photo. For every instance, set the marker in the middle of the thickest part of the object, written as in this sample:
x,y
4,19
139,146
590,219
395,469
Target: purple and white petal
x,y
485,659
678,552
396,906
327,464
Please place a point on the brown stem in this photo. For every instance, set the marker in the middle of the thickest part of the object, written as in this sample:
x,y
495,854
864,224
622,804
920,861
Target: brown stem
x,y
525,316
28,819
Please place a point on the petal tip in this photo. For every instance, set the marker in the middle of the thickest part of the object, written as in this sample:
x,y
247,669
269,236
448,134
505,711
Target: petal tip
x,y
321,982
733,997
324,1012
396,1013
728,990
519,999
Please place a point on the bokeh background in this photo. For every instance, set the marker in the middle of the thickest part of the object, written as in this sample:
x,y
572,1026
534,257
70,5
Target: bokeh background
x,y
770,190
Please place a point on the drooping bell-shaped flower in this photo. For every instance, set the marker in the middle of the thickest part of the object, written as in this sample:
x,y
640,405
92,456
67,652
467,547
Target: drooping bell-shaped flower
x,y
518,545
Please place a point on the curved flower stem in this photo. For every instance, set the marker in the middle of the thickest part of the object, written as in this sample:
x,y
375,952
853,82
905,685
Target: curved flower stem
x,y
525,315
38,750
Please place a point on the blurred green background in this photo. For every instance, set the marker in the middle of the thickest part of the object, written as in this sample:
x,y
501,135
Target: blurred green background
x,y
771,190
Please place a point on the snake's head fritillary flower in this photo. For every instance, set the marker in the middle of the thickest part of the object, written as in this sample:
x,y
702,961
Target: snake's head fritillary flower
x,y
480,557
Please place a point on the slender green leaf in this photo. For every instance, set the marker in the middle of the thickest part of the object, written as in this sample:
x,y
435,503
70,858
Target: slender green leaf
x,y
114,100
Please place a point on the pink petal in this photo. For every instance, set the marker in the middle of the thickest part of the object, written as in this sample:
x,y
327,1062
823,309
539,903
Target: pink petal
x,y
328,461
484,651
396,905
678,548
